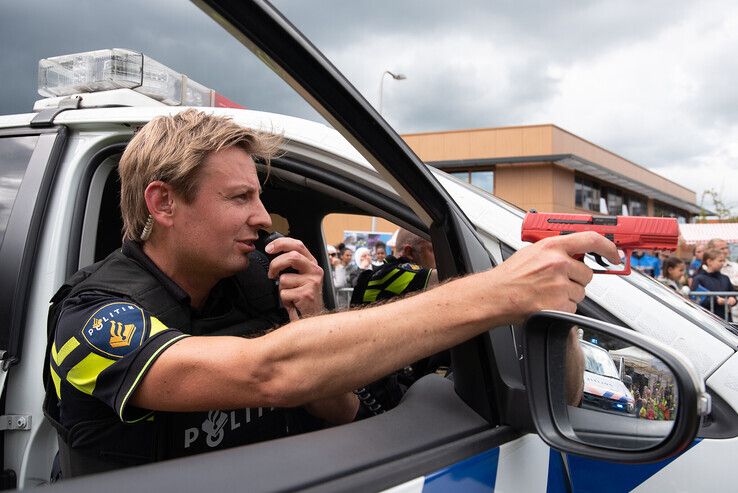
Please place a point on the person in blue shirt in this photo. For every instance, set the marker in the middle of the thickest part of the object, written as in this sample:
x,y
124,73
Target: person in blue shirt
x,y
645,262
696,263
710,279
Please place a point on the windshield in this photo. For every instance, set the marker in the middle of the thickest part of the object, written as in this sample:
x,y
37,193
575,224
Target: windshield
x,y
596,360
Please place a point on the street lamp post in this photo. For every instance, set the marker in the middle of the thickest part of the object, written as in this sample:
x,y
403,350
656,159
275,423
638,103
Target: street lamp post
x,y
381,86
379,108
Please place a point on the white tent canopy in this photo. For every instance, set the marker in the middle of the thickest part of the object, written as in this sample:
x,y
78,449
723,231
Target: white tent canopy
x,y
702,233
639,359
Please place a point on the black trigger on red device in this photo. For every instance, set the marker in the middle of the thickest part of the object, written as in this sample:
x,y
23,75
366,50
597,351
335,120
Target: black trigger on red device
x,y
599,260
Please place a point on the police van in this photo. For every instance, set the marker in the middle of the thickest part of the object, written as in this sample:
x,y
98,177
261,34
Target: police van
x,y
603,388
503,420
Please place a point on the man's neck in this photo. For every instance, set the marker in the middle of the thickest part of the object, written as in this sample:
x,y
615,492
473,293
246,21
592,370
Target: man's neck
x,y
196,285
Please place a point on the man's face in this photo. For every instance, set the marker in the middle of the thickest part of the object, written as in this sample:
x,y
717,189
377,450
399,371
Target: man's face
x,y
426,256
723,247
217,230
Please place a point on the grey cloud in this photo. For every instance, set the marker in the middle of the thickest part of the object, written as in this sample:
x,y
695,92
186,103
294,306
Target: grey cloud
x,y
174,33
562,30
448,100
715,99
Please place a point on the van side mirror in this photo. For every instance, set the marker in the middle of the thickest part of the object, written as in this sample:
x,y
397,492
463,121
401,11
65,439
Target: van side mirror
x,y
581,404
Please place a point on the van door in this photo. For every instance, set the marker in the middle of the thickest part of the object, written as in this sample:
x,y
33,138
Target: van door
x,y
28,163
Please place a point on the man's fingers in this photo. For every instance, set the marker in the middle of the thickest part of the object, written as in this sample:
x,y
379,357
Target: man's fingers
x,y
294,260
579,272
576,293
589,241
287,244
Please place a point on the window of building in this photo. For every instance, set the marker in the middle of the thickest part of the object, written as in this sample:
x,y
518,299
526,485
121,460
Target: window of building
x,y
636,206
484,179
661,210
614,200
586,194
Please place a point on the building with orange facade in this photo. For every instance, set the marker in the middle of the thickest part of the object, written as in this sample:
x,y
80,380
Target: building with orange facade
x,y
542,167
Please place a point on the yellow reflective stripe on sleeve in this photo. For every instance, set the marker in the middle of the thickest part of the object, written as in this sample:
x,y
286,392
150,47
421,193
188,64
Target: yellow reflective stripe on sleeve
x,y
370,295
378,282
400,284
83,376
156,326
67,348
141,374
57,382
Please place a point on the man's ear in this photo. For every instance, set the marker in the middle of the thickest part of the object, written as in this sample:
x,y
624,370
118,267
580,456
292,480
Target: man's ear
x,y
159,198
407,252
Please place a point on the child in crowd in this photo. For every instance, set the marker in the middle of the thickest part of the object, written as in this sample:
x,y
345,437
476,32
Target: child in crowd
x,y
673,274
710,279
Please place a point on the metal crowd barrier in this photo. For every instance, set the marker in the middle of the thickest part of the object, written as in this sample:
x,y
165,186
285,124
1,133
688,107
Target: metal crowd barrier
x,y
695,296
344,294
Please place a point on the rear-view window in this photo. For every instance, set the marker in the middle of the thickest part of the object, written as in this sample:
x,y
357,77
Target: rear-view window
x,y
15,152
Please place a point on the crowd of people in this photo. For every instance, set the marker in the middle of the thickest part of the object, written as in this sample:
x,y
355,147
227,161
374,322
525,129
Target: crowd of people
x,y
656,405
709,270
348,263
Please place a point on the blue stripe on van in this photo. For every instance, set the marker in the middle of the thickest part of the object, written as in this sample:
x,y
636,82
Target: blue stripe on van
x,y
600,476
476,474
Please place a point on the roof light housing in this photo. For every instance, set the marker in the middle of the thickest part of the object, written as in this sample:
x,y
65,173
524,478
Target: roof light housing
x,y
117,68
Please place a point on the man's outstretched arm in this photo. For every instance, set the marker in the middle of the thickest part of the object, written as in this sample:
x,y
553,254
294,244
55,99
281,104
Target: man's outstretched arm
x,y
324,356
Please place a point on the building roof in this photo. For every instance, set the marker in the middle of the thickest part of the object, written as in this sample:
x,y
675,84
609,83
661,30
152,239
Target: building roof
x,y
702,233
547,143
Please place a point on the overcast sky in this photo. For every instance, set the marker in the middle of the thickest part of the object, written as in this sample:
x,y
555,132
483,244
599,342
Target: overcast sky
x,y
654,82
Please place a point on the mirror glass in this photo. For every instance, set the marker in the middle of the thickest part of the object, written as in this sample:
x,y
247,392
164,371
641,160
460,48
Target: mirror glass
x,y
617,395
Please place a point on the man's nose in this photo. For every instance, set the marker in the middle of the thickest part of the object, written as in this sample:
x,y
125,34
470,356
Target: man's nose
x,y
260,218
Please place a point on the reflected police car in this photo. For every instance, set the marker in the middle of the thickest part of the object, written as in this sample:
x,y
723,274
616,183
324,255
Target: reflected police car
x,y
487,429
603,388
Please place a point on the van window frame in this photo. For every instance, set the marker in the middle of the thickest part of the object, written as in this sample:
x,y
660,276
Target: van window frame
x,y
18,252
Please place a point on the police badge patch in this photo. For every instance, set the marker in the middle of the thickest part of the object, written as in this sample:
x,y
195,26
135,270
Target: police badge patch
x,y
115,329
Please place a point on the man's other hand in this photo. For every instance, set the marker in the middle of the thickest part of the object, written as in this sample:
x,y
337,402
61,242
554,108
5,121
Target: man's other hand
x,y
301,292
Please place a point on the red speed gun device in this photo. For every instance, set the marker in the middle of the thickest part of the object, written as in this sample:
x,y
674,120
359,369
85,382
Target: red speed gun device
x,y
627,232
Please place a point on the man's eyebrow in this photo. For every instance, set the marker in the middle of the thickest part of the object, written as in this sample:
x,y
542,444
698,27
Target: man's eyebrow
x,y
244,189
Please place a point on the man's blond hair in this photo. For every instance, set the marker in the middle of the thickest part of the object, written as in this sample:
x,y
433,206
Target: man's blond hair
x,y
173,149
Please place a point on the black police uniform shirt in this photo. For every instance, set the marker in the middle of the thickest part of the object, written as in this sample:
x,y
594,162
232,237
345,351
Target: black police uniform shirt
x,y
397,276
103,347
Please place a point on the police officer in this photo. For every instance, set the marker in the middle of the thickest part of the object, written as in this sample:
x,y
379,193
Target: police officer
x,y
411,269
183,181
145,362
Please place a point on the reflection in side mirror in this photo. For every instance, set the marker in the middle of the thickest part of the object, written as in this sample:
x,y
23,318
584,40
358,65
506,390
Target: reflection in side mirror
x,y
606,392
631,407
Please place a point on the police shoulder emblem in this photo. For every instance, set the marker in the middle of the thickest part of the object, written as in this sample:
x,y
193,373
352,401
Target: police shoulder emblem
x,y
410,267
115,329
